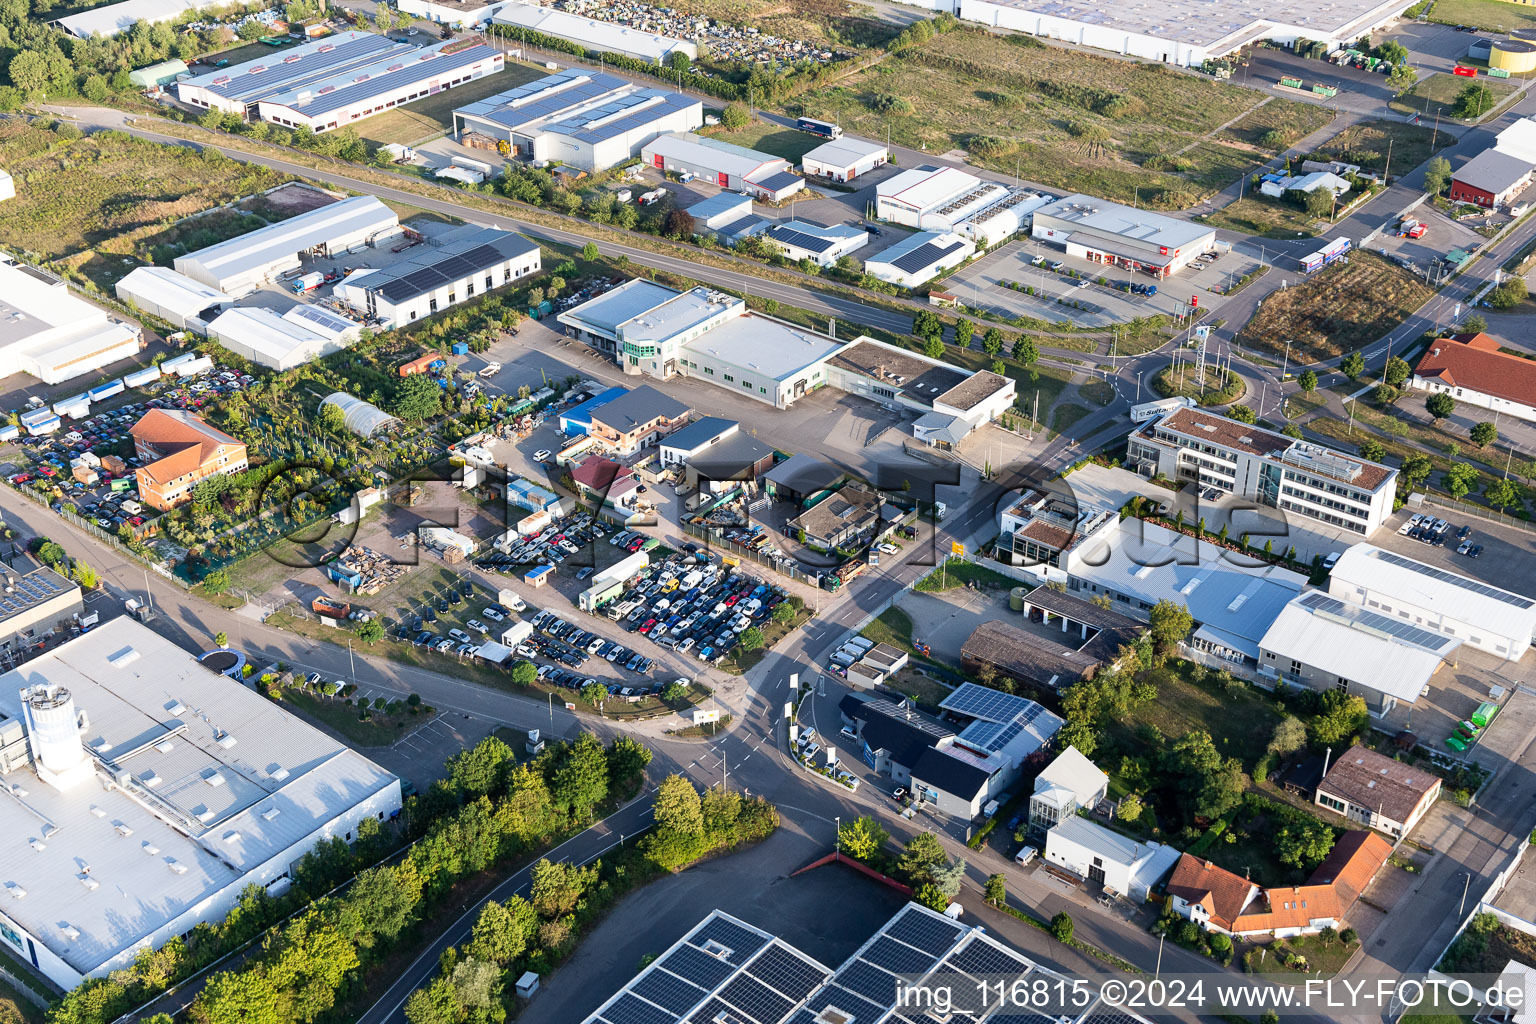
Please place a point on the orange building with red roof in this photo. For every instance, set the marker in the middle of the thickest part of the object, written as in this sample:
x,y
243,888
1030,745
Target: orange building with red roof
x,y
180,450
1471,369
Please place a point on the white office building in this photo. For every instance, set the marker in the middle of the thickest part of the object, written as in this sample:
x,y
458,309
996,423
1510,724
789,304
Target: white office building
x,y
247,262
578,117
919,258
844,159
51,334
283,341
237,90
1122,865
469,262
822,244
1481,616
1294,476
175,298
145,792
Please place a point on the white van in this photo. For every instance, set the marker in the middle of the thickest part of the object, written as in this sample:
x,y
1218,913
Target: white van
x,y
1026,855
863,643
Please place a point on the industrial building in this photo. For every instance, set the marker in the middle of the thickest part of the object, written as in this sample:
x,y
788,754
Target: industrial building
x,y
1104,232
726,970
719,211
339,79
847,518
283,341
952,402
1121,865
590,120
7,186
1490,179
1474,369
156,75
822,244
349,95
1377,791
470,261
844,159
34,605
111,19
681,445
247,262
174,298
762,175
1479,615
146,793
1300,477
1183,32
179,450
947,199
919,258
1325,643
51,334
1072,641
739,458
591,33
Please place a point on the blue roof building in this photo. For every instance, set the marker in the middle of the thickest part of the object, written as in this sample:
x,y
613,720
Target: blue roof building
x,y
577,421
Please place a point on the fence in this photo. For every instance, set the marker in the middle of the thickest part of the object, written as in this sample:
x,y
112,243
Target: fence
x,y
780,564
105,536
1477,511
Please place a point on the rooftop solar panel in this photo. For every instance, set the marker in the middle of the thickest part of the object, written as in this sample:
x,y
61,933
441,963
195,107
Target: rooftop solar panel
x,y
756,1000
1457,581
923,256
739,941
800,239
1326,604
869,981
697,966
931,935
784,970
980,958
631,1009
667,990
897,957
325,318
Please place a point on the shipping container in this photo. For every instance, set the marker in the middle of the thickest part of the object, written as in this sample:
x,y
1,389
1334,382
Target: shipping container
x,y
46,424
193,367
1291,83
123,483
138,378
9,432
107,390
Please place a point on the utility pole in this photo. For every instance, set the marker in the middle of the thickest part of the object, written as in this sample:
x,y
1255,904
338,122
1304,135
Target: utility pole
x,y
1386,173
351,663
838,843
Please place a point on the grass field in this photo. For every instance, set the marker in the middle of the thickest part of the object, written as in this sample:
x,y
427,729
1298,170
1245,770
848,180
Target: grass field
x,y
1269,218
379,731
1294,121
1337,310
788,143
94,203
1182,706
416,122
1494,15
1369,143
1438,93
1074,120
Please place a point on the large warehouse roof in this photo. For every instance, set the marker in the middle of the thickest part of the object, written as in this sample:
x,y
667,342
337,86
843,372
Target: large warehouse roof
x,y
249,252
166,289
764,345
604,314
392,70
703,151
212,781
1445,593
468,252
843,152
115,18
589,106
925,187
1494,171
307,64
1109,218
261,335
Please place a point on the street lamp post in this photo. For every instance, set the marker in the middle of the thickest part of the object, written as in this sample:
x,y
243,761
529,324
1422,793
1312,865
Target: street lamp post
x,y
1464,887
838,843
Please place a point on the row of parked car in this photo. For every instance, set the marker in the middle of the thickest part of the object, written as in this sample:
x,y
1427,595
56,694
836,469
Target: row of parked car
x,y
1422,526
692,604
550,546
565,641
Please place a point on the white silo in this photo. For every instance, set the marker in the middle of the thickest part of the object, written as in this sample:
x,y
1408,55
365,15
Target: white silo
x,y
53,726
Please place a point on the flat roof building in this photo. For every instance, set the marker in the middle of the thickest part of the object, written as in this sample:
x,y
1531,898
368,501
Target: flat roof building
x,y
1295,476
1482,616
1073,645
1068,784
720,163
954,402
1122,865
238,89
1104,232
283,341
174,298
51,334
844,159
847,517
127,746
919,258
823,245
467,262
682,445
578,117
111,19
719,210
947,199
246,262
1492,178
1472,368
33,605
591,33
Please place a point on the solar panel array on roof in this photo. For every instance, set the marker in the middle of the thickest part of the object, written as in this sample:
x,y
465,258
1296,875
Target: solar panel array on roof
x,y
933,935
775,182
446,271
257,80
381,77
29,590
925,255
800,240
1000,717
1354,615
325,318
1473,586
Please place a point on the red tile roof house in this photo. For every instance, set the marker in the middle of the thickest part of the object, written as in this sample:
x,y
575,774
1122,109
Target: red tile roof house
x,y
1471,369
1221,901
605,482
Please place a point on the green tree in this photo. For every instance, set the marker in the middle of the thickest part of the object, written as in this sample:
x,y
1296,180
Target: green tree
x,y
28,71
1397,371
434,1003
1437,175
1169,624
581,779
1241,413
1340,717
1402,78
1460,479
784,613
627,760
1025,350
1474,100
926,324
1484,433
216,582
1509,294
221,639
997,890
382,902
992,342
1440,405
1317,203
418,397
921,855
370,632
999,367
1501,494
933,348
503,931
679,61
1061,927
481,769
735,117
1474,324
476,987
949,876
1130,808
556,888
1308,381
589,252
1372,449
594,693
1289,735
1208,785
964,332
1385,394
863,838
84,575
674,691
1391,51
1353,365
50,553
1303,846
524,673
750,639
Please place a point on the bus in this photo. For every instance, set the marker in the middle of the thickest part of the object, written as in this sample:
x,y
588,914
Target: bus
x,y
826,129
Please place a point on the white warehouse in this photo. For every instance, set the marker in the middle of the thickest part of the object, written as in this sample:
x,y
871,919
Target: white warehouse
x,y
51,334
283,342
174,298
471,261
844,159
949,199
146,792
246,262
919,258
582,118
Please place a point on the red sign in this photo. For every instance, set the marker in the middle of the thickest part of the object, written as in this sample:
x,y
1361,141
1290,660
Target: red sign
x,y
1162,250
1194,302
1467,72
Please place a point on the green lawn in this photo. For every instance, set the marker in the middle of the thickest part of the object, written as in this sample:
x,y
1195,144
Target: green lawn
x,y
380,730
425,118
1261,215
1494,15
957,573
789,143
1322,960
1240,721
1369,143
1063,416
1437,93
892,626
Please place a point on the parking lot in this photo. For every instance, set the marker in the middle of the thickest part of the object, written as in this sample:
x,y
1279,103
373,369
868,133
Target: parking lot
x,y
1507,558
1425,255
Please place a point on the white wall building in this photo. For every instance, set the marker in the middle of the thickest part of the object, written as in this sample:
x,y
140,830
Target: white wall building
x,y
593,34
579,117
471,261
146,792
1472,368
174,298
51,334
947,199
1100,231
1068,783
844,159
720,163
1482,616
1116,862
283,342
823,245
919,258
246,262
237,90
111,19
953,402
7,186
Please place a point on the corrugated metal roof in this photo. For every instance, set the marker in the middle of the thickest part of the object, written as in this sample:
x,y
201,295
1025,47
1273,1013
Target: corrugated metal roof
x,y
292,69
264,246
392,72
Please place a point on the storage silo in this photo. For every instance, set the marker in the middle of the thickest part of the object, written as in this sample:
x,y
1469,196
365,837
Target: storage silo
x,y
53,727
